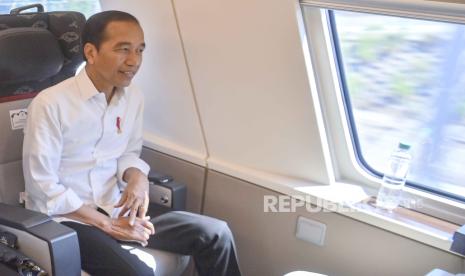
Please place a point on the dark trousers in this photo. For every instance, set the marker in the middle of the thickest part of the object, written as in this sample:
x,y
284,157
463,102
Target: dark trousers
x,y
208,240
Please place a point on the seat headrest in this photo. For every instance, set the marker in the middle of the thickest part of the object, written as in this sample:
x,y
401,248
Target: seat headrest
x,y
28,54
29,61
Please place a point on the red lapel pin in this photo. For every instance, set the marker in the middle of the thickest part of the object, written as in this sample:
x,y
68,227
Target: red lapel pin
x,y
118,124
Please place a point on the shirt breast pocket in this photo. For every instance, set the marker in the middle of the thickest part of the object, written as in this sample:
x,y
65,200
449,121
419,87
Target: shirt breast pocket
x,y
114,144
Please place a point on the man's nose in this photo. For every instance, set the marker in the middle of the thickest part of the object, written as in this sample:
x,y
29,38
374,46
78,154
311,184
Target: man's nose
x,y
134,59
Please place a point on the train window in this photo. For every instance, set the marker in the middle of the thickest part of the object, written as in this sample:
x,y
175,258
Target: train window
x,y
87,7
402,79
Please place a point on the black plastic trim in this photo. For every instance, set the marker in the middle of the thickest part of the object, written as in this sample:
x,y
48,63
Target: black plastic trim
x,y
178,190
62,241
63,245
17,11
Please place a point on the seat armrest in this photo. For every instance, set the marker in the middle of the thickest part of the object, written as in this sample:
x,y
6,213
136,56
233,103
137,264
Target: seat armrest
x,y
38,235
20,218
166,192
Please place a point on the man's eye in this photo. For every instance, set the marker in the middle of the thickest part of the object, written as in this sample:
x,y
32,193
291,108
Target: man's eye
x,y
124,49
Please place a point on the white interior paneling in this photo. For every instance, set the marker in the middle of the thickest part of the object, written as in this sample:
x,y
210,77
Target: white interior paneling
x,y
252,88
170,113
267,242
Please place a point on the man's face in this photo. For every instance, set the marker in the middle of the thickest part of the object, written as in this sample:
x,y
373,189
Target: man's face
x,y
119,57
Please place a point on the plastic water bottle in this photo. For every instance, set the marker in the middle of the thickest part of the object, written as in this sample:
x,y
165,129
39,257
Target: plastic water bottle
x,y
389,195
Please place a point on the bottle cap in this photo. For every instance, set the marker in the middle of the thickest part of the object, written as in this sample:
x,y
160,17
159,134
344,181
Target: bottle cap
x,y
404,146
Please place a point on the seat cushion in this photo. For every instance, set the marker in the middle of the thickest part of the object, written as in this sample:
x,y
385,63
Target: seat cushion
x,y
303,273
163,263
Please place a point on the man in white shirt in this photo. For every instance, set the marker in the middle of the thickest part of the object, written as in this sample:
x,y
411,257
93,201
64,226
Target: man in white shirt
x,y
81,149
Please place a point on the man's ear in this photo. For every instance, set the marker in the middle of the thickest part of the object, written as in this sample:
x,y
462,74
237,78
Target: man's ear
x,y
90,52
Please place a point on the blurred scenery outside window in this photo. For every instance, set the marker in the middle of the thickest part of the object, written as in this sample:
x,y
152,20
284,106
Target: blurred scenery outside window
x,y
87,7
406,82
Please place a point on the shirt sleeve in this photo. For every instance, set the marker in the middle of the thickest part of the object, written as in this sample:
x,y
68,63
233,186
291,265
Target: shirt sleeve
x,y
41,160
131,155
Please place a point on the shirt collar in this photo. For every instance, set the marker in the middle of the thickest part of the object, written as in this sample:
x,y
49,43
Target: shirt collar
x,y
87,88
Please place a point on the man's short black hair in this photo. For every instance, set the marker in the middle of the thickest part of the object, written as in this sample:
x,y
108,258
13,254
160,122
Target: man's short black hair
x,y
94,30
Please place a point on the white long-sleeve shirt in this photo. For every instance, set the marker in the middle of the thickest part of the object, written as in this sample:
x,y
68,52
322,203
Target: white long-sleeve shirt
x,y
77,147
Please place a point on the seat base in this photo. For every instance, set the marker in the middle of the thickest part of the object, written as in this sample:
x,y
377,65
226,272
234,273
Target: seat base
x,y
163,263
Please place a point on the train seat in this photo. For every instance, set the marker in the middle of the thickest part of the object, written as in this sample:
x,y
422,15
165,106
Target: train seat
x,y
303,273
37,50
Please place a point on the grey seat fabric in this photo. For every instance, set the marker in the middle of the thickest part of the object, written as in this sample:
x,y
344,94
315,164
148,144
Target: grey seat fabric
x,y
15,95
163,263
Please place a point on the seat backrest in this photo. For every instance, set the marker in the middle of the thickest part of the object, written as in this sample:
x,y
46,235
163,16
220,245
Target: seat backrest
x,y
37,50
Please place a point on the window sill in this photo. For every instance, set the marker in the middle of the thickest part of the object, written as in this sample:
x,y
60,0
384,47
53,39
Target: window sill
x,y
349,200
352,201
436,227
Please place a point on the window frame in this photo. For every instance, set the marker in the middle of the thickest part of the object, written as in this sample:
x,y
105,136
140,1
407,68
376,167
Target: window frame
x,y
343,147
338,56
